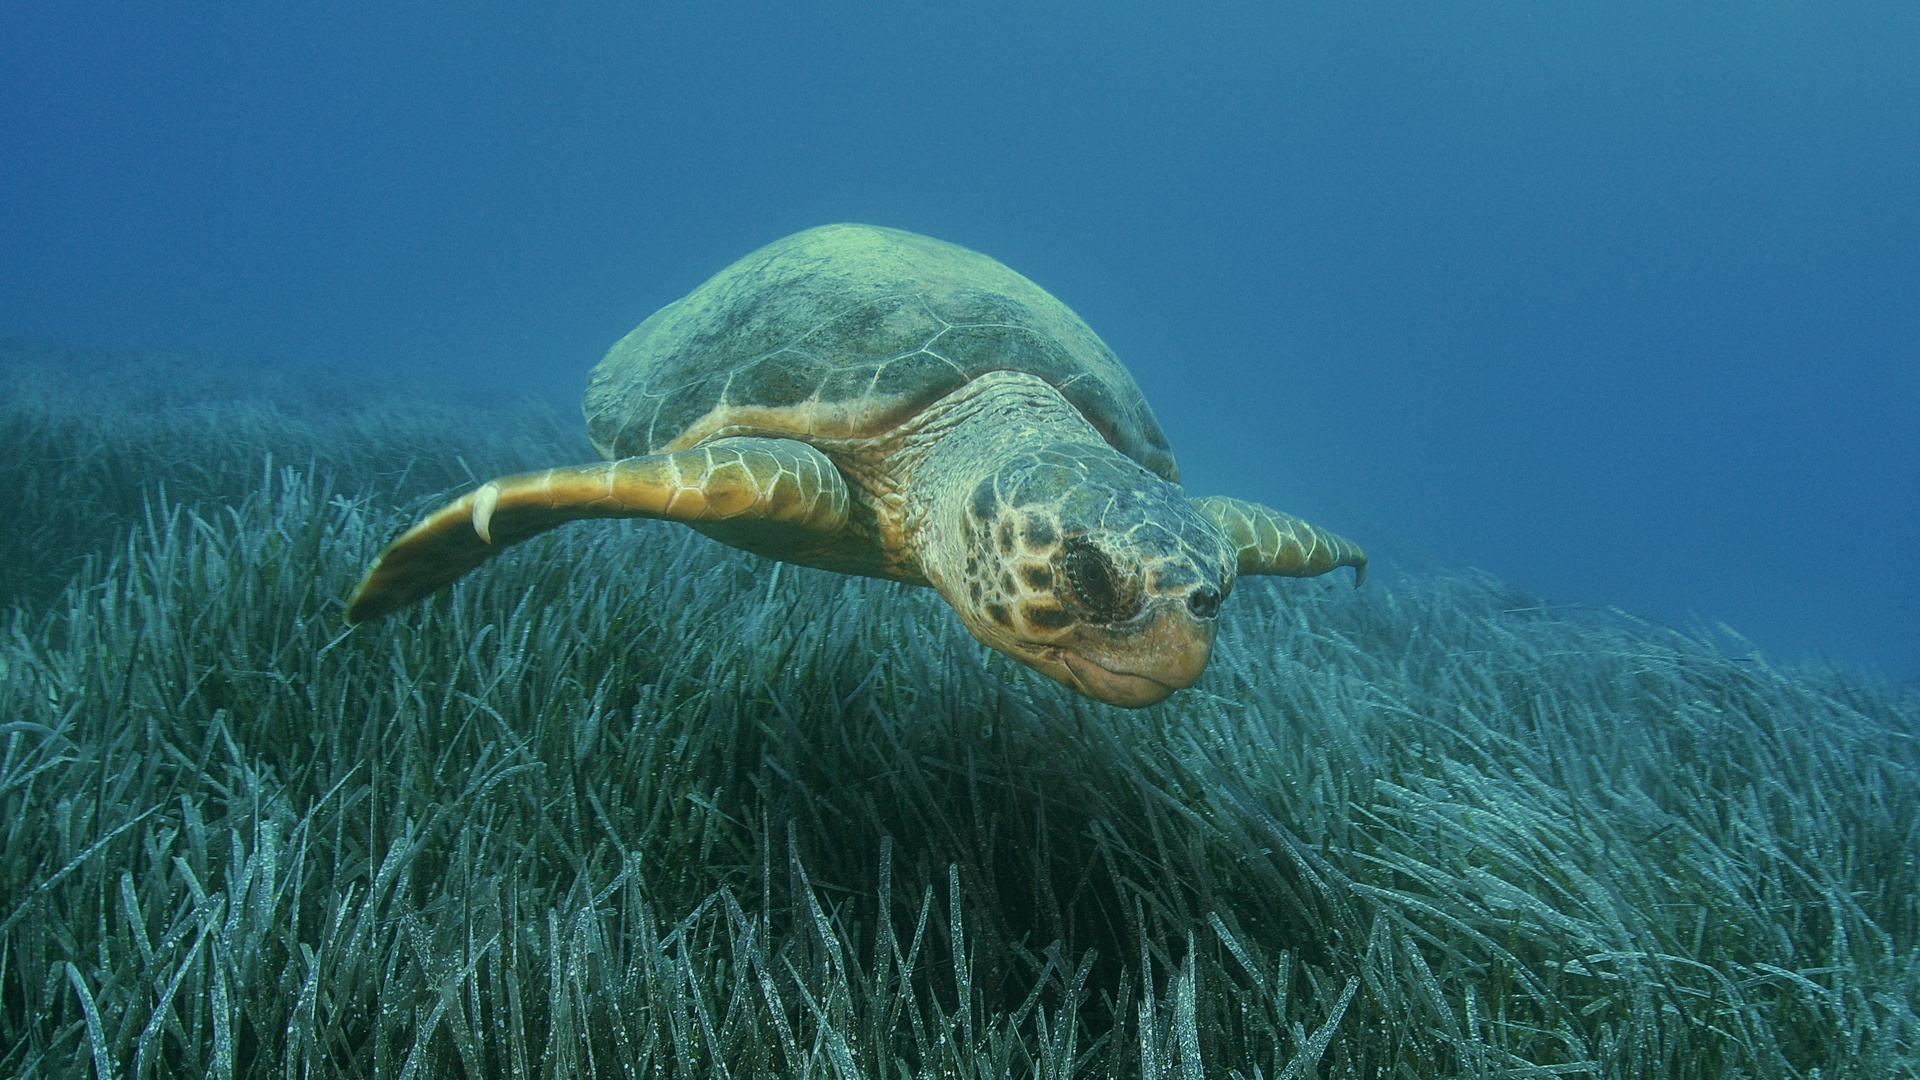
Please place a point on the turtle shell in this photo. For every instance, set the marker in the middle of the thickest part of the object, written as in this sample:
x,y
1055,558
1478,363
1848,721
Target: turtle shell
x,y
843,332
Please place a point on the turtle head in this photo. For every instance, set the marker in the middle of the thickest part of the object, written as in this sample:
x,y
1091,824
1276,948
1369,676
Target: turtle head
x,y
1080,563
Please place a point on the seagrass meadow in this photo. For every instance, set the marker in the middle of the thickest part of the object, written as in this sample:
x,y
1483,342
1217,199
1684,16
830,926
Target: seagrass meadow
x,y
631,804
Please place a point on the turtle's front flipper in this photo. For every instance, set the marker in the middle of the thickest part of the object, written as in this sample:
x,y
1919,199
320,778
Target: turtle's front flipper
x,y
777,481
1270,542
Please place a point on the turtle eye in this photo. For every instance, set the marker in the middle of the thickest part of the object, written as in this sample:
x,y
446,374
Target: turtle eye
x,y
1204,603
1097,585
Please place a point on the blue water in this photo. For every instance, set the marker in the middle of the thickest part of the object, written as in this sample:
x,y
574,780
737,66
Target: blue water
x,y
1620,302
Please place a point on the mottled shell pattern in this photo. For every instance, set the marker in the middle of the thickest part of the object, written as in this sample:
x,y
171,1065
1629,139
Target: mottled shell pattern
x,y
843,332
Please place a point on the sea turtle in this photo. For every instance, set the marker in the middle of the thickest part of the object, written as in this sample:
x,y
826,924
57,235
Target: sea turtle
x,y
874,402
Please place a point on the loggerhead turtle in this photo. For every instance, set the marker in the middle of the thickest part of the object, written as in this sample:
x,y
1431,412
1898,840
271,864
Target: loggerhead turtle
x,y
870,401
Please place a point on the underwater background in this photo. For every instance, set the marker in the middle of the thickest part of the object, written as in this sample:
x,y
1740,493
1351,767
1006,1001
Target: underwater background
x,y
1597,325
1615,301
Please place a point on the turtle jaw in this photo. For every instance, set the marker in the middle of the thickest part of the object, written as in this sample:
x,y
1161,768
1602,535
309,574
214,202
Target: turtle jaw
x,y
1121,688
1131,666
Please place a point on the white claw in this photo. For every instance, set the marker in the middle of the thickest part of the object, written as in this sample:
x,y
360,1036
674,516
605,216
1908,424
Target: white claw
x,y
484,501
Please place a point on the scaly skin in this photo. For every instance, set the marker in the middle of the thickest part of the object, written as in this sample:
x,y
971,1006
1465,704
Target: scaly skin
x,y
1057,549
1266,541
785,489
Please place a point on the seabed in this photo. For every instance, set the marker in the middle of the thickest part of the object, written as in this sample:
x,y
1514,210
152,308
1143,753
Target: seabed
x,y
629,803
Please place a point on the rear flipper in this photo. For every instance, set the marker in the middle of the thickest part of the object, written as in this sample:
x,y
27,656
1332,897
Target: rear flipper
x,y
1270,542
777,481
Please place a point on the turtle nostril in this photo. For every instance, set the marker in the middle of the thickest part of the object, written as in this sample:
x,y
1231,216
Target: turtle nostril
x,y
1204,603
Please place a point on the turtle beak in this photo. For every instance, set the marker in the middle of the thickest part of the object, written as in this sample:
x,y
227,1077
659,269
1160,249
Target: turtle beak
x,y
1139,664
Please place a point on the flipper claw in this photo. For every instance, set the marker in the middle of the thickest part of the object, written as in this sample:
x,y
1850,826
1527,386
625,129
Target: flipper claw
x,y
484,500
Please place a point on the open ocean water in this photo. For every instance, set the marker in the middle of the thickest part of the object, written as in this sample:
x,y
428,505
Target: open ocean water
x,y
1597,325
1614,301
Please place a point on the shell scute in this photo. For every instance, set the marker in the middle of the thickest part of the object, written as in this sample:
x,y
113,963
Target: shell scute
x,y
888,327
784,378
917,373
977,350
682,406
963,305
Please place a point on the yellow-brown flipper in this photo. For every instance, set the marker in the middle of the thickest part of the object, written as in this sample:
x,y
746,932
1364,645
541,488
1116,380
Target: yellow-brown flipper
x,y
778,481
1270,542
